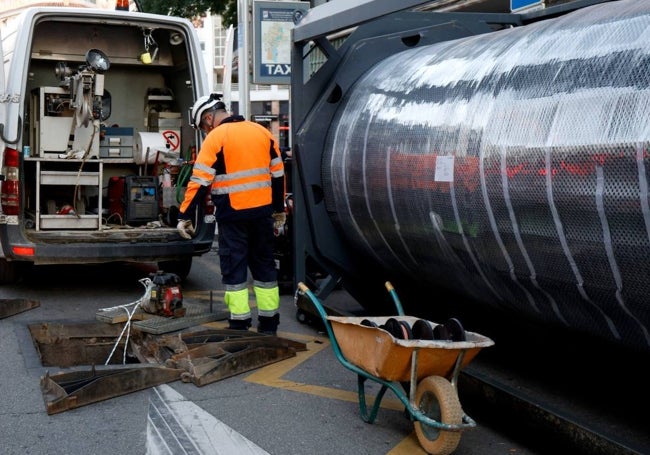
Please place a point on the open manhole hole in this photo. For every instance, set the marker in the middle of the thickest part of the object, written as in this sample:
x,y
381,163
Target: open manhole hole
x,y
67,345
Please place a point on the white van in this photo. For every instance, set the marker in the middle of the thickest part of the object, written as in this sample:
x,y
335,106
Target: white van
x,y
95,144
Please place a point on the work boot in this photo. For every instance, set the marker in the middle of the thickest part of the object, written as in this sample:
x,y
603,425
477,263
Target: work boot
x,y
239,324
268,324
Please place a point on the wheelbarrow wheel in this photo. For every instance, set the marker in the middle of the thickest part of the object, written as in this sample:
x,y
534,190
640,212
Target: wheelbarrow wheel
x,y
438,400
302,316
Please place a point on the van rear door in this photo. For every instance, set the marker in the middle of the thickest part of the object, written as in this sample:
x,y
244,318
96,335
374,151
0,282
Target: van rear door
x,y
3,97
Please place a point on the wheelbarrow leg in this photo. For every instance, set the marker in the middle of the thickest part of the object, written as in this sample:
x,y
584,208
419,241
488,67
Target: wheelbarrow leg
x,y
363,407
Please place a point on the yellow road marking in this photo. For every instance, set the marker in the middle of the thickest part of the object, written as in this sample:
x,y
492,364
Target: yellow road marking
x,y
271,375
408,446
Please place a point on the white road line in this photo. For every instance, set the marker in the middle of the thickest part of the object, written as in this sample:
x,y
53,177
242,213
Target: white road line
x,y
176,426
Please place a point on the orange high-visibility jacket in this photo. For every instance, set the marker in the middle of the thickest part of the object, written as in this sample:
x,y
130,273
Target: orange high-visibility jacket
x,y
240,162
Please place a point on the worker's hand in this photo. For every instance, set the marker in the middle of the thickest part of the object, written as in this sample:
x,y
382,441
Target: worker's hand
x,y
185,229
280,219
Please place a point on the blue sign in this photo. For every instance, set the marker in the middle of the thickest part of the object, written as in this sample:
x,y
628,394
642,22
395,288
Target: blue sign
x,y
521,4
272,24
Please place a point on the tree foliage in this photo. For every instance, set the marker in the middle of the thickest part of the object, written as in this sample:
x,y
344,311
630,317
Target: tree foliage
x,y
192,9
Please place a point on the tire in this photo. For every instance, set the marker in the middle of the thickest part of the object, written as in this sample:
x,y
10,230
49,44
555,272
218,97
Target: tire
x,y
438,400
302,316
180,267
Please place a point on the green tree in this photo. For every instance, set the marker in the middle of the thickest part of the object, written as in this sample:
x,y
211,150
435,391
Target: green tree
x,y
192,9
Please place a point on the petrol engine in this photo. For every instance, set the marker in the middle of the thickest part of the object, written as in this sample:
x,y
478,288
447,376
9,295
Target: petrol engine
x,y
166,297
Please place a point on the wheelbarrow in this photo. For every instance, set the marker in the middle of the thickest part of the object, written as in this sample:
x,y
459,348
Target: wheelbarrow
x,y
422,373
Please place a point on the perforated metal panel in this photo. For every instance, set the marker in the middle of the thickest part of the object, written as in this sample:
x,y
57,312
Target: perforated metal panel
x,y
512,166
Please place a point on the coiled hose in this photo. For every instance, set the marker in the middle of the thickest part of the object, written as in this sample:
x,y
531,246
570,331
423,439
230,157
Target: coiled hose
x,y
184,174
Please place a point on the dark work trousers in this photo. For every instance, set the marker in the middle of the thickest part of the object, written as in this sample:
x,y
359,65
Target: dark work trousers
x,y
244,245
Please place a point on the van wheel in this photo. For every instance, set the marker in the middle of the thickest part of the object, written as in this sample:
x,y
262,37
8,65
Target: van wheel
x,y
12,271
180,267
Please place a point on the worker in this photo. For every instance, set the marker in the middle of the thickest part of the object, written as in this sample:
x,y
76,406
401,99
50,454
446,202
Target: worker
x,y
239,162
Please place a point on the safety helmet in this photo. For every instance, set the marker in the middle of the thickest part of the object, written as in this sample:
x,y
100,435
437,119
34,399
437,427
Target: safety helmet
x,y
205,104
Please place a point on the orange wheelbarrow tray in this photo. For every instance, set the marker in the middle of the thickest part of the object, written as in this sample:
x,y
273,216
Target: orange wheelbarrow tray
x,y
380,354
421,373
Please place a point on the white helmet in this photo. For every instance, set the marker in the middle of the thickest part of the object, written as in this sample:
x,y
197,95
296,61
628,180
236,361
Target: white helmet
x,y
204,104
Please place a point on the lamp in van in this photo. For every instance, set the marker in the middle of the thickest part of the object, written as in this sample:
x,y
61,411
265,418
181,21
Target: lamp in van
x,y
175,39
97,61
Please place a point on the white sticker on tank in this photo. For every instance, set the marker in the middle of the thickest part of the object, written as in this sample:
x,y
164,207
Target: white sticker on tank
x,y
444,169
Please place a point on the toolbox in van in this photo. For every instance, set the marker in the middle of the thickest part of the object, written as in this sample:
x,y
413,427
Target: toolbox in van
x,y
116,142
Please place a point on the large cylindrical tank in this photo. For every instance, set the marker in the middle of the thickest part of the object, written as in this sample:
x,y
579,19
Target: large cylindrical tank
x,y
512,167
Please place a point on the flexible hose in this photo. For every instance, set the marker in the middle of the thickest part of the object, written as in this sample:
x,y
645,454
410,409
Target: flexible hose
x,y
184,175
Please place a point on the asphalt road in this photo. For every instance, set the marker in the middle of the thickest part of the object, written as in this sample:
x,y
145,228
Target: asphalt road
x,y
304,405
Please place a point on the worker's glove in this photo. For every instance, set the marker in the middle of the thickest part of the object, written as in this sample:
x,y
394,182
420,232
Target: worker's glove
x,y
185,229
280,219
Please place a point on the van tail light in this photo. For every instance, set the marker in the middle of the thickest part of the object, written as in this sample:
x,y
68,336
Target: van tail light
x,y
10,190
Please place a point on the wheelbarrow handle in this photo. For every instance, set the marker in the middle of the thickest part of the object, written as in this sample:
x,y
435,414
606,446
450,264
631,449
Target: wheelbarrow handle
x,y
393,293
304,289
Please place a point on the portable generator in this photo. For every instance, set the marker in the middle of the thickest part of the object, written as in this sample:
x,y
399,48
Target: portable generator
x,y
166,297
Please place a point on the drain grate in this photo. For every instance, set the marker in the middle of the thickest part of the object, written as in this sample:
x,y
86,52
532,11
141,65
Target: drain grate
x,y
194,315
151,323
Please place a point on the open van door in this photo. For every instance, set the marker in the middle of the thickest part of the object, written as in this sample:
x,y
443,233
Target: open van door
x,y
4,266
3,102
3,117
3,122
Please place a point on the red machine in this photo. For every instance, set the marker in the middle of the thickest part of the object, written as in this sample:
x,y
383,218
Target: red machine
x,y
166,297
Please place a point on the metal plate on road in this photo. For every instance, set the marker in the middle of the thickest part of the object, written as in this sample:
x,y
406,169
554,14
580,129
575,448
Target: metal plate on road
x,y
149,323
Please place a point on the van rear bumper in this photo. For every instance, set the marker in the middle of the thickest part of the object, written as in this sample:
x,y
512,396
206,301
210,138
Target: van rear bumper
x,y
84,247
